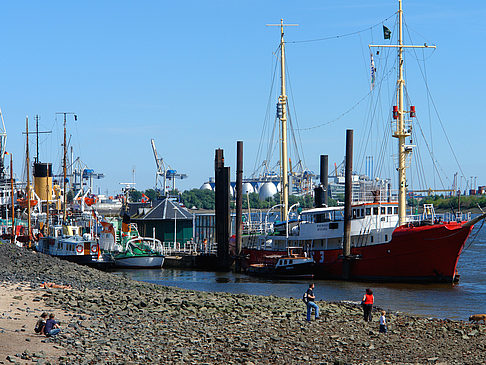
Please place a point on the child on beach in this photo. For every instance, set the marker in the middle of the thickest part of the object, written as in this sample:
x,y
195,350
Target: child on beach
x,y
52,327
383,328
41,323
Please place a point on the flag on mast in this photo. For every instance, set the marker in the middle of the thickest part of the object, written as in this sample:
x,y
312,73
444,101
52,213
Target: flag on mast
x,y
386,32
373,71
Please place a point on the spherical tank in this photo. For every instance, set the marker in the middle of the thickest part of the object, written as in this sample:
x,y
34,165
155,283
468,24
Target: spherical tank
x,y
267,190
206,186
247,188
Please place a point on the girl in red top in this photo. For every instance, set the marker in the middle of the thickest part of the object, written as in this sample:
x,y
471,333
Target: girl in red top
x,y
367,303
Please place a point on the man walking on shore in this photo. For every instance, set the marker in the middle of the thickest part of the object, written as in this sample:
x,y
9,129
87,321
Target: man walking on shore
x,y
311,303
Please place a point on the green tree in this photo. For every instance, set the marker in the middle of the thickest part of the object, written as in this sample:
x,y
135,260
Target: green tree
x,y
135,195
152,194
201,199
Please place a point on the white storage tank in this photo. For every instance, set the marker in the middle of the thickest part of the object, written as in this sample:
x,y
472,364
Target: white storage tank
x,y
206,186
247,188
267,190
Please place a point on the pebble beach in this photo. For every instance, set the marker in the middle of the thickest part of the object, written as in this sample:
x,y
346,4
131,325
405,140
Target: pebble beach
x,y
111,319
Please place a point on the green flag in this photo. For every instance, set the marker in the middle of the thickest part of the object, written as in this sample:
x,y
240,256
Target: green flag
x,y
386,32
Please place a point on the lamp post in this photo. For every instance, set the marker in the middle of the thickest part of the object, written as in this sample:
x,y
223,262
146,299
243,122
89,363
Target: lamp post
x,y
268,212
287,226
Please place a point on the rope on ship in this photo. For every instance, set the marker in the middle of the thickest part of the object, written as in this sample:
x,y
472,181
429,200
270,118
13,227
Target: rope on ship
x,y
344,35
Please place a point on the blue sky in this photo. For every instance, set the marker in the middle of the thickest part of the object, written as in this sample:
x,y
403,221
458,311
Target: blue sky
x,y
196,76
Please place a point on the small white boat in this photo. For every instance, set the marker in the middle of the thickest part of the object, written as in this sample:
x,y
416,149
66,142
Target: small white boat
x,y
140,262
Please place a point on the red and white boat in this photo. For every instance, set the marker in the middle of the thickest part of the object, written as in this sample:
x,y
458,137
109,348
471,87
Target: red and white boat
x,y
382,243
426,249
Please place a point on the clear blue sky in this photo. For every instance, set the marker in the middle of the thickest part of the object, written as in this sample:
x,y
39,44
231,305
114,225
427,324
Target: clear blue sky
x,y
195,76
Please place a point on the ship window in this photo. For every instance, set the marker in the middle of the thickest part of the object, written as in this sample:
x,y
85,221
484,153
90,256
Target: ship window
x,y
362,212
290,262
390,210
354,213
375,211
395,210
368,211
371,238
383,210
386,237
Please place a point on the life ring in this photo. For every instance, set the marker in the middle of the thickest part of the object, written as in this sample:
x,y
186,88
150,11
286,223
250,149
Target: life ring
x,y
94,248
79,248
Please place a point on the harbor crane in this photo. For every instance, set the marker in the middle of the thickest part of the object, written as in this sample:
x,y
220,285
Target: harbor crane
x,y
165,172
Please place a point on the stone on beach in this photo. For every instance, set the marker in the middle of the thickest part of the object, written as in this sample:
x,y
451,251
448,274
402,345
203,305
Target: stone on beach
x,y
112,319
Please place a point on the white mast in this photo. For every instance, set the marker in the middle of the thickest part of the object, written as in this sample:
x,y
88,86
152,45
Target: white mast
x,y
401,132
282,114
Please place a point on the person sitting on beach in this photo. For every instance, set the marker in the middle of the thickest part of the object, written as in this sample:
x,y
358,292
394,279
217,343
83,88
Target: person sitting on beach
x,y
310,302
41,323
383,328
51,328
47,285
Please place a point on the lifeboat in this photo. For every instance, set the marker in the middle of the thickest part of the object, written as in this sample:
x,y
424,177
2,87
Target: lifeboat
x,y
23,202
90,201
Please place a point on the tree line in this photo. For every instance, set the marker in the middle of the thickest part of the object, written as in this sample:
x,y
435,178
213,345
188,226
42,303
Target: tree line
x,y
204,199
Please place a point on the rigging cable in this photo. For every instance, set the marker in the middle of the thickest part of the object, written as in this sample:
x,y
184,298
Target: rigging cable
x,y
438,116
343,35
259,151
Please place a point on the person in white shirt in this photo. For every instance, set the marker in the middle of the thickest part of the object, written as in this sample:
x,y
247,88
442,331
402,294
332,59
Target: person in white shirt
x,y
383,328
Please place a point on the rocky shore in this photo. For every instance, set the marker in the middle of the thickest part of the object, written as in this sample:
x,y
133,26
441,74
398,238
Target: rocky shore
x,y
110,319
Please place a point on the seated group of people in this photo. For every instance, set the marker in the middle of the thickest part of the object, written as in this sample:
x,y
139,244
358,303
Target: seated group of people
x,y
48,327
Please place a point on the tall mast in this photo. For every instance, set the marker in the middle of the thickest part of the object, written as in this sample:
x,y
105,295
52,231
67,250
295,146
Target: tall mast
x,y
12,196
401,131
64,173
27,163
64,162
282,114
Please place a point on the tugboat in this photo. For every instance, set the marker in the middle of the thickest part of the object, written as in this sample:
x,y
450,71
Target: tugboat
x,y
128,249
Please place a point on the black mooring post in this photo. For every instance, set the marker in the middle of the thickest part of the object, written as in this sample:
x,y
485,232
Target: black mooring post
x,y
324,174
222,210
348,197
239,202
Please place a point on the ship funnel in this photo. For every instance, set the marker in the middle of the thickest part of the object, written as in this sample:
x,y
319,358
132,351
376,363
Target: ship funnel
x,y
43,180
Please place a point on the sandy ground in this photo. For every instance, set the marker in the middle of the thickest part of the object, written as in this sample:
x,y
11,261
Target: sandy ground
x,y
19,312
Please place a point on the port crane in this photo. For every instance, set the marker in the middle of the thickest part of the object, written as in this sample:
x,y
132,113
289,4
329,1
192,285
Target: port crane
x,y
164,171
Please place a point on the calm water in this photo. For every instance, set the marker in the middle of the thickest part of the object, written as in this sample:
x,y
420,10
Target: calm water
x,y
442,301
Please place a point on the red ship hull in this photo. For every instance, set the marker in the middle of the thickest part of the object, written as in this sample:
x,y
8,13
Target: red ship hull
x,y
414,254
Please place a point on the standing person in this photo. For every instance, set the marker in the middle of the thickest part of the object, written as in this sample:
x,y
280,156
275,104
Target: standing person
x,y
383,328
367,303
311,302
52,327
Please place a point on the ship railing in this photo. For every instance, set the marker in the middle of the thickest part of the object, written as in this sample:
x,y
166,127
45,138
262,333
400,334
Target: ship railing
x,y
440,217
375,196
187,248
257,227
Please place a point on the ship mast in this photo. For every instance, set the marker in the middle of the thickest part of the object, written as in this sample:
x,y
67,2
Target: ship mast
x,y
399,114
282,115
28,192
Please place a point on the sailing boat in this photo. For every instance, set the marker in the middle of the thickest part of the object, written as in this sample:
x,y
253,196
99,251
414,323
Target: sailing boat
x,y
382,242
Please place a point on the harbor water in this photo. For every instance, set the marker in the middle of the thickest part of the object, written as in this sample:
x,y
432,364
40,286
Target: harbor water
x,y
432,300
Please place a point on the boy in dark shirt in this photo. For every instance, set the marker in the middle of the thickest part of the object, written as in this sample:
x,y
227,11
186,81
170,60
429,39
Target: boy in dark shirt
x,y
52,327
310,303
